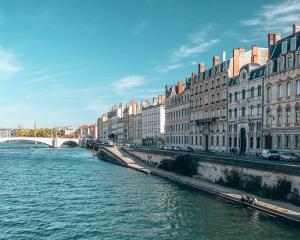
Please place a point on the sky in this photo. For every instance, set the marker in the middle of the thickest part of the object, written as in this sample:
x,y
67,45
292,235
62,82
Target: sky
x,y
66,62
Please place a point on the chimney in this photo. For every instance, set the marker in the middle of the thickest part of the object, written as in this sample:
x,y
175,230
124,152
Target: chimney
x,y
194,74
224,56
296,28
201,68
254,54
273,38
180,87
215,60
236,60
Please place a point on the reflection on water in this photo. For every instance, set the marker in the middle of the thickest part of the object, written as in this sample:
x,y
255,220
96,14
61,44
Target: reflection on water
x,y
68,194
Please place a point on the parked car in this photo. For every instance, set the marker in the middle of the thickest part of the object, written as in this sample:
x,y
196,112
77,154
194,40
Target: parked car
x,y
296,156
175,148
285,156
189,149
162,147
270,154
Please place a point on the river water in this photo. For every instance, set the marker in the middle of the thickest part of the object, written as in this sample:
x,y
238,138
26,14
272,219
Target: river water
x,y
69,194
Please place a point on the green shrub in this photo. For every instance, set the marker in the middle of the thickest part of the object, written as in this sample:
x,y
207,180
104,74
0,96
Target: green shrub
x,y
183,164
282,189
232,178
252,184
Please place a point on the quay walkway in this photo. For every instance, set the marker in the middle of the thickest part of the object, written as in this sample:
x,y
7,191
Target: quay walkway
x,y
282,210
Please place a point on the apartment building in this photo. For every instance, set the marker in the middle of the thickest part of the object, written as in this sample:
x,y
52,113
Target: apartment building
x,y
128,121
281,128
153,122
245,109
209,98
177,114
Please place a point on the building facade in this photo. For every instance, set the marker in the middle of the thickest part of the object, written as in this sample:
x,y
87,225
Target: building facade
x,y
177,124
281,128
209,101
153,123
245,109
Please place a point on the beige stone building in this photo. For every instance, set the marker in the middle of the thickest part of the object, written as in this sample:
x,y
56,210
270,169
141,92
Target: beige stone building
x,y
209,99
129,112
178,114
245,110
281,128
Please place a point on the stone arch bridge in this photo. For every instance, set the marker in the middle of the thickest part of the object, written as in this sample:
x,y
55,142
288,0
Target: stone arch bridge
x,y
52,142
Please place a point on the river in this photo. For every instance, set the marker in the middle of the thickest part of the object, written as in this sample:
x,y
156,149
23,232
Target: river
x,y
69,194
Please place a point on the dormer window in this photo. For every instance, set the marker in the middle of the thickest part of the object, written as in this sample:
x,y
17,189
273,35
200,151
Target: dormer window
x,y
290,60
284,47
270,67
293,43
298,58
280,64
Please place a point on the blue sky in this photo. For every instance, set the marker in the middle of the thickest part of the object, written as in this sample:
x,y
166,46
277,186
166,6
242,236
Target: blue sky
x,y
65,62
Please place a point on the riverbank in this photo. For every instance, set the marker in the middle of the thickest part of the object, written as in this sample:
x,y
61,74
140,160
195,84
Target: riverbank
x,y
281,210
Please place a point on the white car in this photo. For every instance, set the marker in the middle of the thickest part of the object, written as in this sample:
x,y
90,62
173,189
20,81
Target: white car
x,y
270,154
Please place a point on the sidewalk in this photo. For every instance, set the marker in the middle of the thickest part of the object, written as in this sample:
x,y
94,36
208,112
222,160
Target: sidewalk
x,y
276,208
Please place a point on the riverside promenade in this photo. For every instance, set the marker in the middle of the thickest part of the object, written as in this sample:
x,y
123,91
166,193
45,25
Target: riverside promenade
x,y
282,210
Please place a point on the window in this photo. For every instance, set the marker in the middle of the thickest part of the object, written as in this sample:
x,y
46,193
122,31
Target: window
x,y
230,113
284,47
223,140
230,97
278,141
252,92
235,112
206,86
279,91
212,140
218,82
212,98
251,142
288,116
298,58
297,145
235,96
229,139
258,142
251,110
212,84
298,87
269,93
259,90
288,89
235,142
270,67
259,109
287,141
280,64
217,141
279,117
244,94
293,43
290,61
243,111
297,115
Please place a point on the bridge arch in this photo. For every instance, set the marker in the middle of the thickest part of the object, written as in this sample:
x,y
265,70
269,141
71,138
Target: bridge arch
x,y
52,142
45,141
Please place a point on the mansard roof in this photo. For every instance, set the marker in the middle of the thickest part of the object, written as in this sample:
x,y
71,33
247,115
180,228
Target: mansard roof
x,y
234,81
258,72
278,47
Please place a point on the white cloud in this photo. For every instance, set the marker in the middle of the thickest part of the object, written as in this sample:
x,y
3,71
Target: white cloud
x,y
190,50
128,82
9,64
140,28
275,17
169,68
197,42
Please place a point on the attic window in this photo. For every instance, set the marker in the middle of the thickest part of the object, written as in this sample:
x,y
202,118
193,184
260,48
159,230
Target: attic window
x,y
293,43
284,47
